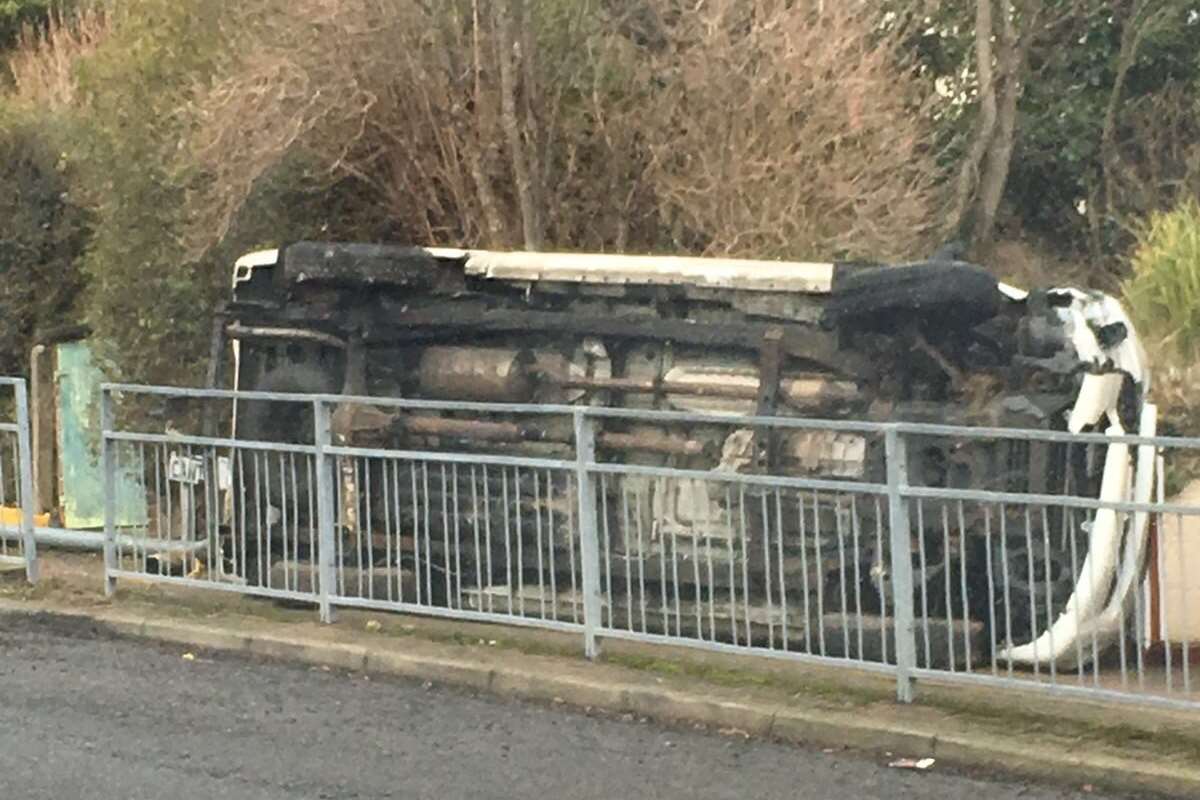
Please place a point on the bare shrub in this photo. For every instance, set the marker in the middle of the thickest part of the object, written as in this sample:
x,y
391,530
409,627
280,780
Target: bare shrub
x,y
791,130
293,78
43,61
734,127
437,110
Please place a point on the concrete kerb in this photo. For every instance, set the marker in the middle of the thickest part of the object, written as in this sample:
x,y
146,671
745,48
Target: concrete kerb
x,y
543,679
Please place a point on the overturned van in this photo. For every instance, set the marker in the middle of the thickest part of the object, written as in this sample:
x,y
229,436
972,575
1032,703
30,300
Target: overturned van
x,y
938,341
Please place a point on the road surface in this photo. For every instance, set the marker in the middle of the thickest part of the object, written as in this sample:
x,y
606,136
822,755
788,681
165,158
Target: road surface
x,y
86,715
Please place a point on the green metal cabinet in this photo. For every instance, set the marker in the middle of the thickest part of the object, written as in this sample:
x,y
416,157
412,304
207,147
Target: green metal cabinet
x,y
81,491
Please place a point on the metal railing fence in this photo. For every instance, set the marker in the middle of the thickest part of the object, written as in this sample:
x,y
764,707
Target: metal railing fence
x,y
16,480
626,524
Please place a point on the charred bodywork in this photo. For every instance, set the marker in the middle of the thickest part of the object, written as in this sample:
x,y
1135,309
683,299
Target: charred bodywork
x,y
935,341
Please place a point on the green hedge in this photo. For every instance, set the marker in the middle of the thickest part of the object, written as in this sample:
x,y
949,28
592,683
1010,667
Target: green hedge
x,y
43,232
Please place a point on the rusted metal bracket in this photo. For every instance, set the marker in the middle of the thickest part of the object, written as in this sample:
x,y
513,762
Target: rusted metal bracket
x,y
215,374
952,372
238,331
343,425
355,381
770,356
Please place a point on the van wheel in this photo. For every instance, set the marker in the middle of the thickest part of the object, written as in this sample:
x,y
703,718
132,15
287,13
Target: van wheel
x,y
952,293
272,489
280,420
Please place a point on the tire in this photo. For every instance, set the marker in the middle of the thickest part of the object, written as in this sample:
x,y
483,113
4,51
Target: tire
x,y
277,480
951,293
280,421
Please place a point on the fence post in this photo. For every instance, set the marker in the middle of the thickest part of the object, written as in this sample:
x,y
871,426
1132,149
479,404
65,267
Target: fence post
x,y
901,556
326,541
589,546
108,458
25,467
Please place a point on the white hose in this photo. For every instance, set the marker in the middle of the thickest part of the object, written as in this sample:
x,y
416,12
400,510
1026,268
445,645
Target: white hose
x,y
1107,625
1096,573
1093,613
1097,606
1097,396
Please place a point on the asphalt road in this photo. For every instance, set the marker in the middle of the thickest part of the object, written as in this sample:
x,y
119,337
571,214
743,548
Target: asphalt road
x,y
83,715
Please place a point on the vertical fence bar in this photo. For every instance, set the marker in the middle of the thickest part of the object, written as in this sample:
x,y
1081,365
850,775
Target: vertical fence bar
x,y
325,510
108,457
4,534
589,548
25,466
901,538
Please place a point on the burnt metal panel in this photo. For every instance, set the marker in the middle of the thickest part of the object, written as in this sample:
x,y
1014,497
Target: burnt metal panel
x,y
353,264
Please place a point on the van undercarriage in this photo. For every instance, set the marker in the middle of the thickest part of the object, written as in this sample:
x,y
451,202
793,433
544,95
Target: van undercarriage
x,y
935,341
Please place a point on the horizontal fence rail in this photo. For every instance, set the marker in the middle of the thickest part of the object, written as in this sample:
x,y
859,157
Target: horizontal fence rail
x,y
17,499
1006,558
